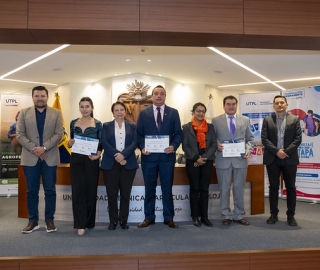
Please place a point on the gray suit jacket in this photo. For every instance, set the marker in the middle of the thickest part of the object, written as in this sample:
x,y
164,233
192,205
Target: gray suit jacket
x,y
28,136
190,145
243,132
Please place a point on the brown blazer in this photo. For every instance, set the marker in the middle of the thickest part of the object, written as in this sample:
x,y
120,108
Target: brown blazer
x,y
28,136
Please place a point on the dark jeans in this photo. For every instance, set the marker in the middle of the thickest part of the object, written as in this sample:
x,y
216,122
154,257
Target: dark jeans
x,y
199,180
48,174
274,170
118,178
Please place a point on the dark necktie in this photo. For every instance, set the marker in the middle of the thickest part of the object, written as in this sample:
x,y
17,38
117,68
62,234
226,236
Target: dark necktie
x,y
232,127
159,119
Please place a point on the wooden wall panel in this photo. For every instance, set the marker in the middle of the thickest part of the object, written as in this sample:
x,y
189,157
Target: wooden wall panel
x,y
201,16
282,18
118,15
153,38
13,14
192,261
286,259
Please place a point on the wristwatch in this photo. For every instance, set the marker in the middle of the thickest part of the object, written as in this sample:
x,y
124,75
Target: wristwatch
x,y
45,149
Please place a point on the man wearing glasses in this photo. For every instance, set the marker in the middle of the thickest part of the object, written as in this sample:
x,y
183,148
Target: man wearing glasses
x,y
281,137
232,130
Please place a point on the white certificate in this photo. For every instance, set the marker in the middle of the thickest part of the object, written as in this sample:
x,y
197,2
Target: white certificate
x,y
234,148
156,144
85,146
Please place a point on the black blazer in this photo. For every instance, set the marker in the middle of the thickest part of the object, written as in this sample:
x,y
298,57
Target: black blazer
x,y
292,139
190,144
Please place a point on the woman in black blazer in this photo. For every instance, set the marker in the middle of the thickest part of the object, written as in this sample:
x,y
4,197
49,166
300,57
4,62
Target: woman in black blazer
x,y
119,164
199,144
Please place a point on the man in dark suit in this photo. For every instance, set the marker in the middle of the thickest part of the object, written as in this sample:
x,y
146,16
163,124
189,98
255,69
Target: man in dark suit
x,y
39,130
159,119
281,137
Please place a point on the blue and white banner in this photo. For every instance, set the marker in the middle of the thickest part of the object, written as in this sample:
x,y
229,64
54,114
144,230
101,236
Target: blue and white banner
x,y
9,146
257,106
304,102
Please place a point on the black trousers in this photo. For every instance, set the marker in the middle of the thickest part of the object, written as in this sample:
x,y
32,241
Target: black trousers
x,y
84,181
274,170
118,178
199,180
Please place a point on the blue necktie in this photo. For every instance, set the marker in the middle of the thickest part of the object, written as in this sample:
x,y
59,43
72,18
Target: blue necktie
x,y
159,119
232,127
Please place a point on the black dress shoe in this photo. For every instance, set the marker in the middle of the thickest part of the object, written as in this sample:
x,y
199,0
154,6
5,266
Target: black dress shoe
x,y
242,221
124,225
196,221
226,221
292,221
272,219
206,222
170,223
145,223
112,226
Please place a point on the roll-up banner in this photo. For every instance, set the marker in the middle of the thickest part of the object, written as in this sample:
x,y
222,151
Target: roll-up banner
x,y
257,106
304,102
9,146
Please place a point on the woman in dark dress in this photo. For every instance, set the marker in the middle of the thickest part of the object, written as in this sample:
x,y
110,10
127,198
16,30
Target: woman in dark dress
x,y
199,144
84,169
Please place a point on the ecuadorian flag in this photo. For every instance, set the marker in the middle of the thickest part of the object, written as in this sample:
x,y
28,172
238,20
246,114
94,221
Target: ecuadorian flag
x,y
64,150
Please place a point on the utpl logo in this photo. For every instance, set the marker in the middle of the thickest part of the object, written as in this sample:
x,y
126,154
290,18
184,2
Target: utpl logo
x,y
251,103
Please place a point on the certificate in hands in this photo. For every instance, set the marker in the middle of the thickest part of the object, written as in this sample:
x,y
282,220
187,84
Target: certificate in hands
x,y
156,144
85,146
233,148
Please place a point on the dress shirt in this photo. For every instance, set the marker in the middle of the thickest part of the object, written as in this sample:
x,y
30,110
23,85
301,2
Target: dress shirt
x,y
228,119
120,135
155,112
40,118
281,124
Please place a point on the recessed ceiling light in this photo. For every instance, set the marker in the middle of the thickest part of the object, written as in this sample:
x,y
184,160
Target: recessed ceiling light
x,y
129,72
245,67
35,60
128,60
115,74
147,72
160,74
148,60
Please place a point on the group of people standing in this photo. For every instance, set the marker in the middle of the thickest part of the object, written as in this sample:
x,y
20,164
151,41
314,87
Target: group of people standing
x,y
39,130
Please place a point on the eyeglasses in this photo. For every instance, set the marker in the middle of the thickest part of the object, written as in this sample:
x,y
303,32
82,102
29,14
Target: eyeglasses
x,y
201,111
280,102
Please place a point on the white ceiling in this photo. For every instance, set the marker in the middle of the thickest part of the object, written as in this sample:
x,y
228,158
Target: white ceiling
x,y
189,65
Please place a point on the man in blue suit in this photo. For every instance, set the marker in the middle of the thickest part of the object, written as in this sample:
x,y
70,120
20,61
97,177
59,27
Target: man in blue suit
x,y
159,119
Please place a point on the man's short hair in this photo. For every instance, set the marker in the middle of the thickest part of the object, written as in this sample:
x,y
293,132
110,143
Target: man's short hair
x,y
310,111
39,88
229,97
279,96
159,86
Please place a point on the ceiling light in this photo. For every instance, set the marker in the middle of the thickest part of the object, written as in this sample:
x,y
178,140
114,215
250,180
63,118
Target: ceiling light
x,y
35,60
148,60
53,84
115,74
244,66
280,81
128,60
160,75
129,72
147,72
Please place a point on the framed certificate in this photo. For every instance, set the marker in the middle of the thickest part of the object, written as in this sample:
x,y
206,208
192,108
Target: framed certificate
x,y
156,144
85,146
233,148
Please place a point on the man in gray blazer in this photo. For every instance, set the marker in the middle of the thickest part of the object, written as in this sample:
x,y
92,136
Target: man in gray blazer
x,y
281,137
39,130
232,169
